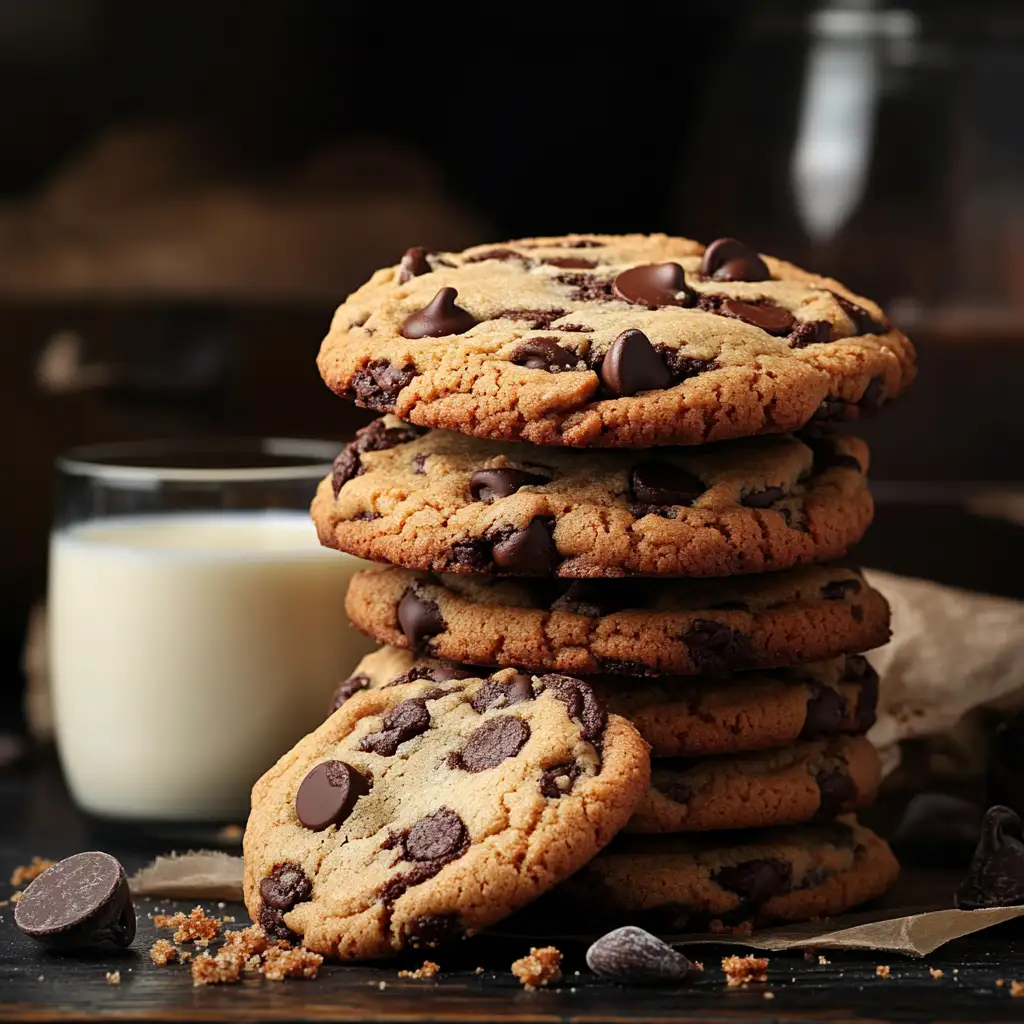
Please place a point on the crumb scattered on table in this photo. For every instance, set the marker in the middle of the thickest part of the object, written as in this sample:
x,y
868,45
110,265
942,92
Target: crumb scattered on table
x,y
25,873
251,941
882,970
741,970
479,970
16,896
428,970
1000,982
382,985
935,972
196,927
113,977
541,967
823,960
1017,989
163,952
767,995
223,969
279,963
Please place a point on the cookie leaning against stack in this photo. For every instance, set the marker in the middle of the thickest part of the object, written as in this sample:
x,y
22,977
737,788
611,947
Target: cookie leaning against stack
x,y
467,756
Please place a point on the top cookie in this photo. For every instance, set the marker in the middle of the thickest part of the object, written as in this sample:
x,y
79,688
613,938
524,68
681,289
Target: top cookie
x,y
612,341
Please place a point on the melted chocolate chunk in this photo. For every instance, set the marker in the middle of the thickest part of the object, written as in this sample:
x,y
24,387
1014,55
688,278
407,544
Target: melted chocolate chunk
x,y
596,598
632,365
863,321
756,881
661,483
995,877
488,484
626,667
494,742
836,590
570,262
497,254
575,328
874,394
587,287
473,554
762,499
284,888
810,332
684,367
825,709
727,259
419,617
836,788
404,721
328,794
538,319
770,318
654,285
373,438
560,780
544,354
433,930
378,385
348,688
414,264
826,452
860,671
495,694
526,551
439,318
716,647
440,837
580,704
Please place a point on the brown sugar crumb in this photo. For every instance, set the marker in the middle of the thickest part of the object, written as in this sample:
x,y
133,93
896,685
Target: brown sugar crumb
x,y
251,941
216,970
113,977
741,970
882,970
1017,989
196,927
163,952
822,960
279,964
540,968
935,972
16,896
25,873
428,970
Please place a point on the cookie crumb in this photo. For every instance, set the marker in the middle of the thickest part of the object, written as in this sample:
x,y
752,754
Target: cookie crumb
x,y
25,873
882,970
822,960
1000,982
222,969
41,977
250,941
741,970
541,967
768,995
382,985
696,965
113,977
1017,989
163,952
479,970
935,972
196,927
428,970
16,896
279,963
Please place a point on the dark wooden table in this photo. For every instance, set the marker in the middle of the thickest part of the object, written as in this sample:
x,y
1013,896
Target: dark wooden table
x,y
37,818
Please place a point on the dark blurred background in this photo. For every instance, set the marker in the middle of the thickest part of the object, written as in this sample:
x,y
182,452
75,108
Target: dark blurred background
x,y
188,189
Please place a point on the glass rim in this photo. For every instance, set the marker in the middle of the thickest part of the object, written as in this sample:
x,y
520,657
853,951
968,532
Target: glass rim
x,y
126,461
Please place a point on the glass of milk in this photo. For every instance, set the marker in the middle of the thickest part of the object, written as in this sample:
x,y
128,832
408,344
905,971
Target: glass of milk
x,y
197,628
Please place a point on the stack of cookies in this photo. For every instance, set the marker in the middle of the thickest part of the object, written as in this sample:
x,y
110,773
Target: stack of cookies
x,y
607,504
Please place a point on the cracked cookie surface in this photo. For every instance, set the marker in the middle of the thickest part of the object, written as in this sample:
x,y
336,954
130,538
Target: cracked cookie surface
x,y
682,717
623,627
599,340
445,502
418,814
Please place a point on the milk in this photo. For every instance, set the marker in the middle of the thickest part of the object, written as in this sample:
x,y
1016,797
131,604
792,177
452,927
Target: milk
x,y
189,652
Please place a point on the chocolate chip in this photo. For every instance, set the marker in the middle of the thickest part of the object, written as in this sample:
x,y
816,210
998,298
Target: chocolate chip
x,y
596,598
494,742
825,710
439,318
715,647
473,555
836,790
439,837
285,886
762,499
497,254
684,367
419,463
348,688
80,902
570,262
496,694
538,319
527,551
580,703
373,438
559,781
766,315
678,790
863,321
632,365
419,617
836,590
446,673
653,285
825,449
874,394
328,793
544,354
632,956
860,672
401,723
996,875
938,830
414,263
756,881
365,517
378,385
661,483
488,484
810,332
433,930
575,328
587,287
727,259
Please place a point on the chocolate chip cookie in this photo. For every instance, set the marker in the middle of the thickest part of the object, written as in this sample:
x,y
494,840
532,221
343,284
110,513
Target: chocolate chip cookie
x,y
676,884
786,786
687,717
420,813
449,503
623,627
617,341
